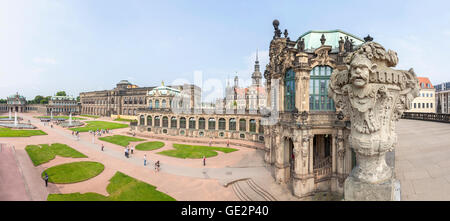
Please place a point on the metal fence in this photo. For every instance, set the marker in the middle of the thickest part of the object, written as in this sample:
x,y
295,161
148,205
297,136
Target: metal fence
x,y
427,116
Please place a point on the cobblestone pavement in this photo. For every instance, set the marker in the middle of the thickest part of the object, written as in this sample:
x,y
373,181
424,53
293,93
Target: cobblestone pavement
x,y
422,160
183,179
422,164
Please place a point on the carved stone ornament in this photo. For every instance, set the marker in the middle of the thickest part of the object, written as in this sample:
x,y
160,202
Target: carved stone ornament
x,y
322,57
373,96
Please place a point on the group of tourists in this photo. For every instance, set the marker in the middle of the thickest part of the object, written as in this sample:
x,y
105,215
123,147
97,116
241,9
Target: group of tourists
x,y
129,150
157,164
76,134
99,132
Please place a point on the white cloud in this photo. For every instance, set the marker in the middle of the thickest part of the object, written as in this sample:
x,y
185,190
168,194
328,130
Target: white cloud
x,y
44,60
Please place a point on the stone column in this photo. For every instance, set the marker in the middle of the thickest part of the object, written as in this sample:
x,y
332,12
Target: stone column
x,y
374,96
227,124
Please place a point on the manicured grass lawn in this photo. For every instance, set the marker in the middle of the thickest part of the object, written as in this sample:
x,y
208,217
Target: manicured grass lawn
x,y
194,151
91,116
65,117
120,140
45,152
153,145
120,188
125,120
6,116
94,125
73,172
8,132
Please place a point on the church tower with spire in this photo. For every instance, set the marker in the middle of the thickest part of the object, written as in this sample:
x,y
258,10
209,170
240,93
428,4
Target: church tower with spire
x,y
256,76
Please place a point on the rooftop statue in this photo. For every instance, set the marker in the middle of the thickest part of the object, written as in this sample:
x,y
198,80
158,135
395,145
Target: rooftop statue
x,y
373,95
302,45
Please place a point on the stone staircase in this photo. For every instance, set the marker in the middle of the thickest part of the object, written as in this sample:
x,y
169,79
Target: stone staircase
x,y
248,190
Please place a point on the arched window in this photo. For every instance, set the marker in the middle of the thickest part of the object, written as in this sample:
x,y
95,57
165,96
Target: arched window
x,y
201,123
149,120
242,125
211,124
253,125
173,122
289,90
165,122
318,89
163,104
157,121
182,122
157,104
191,123
232,123
142,120
222,123
150,104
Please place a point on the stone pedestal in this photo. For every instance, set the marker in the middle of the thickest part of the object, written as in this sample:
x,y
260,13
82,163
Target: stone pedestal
x,y
355,190
303,186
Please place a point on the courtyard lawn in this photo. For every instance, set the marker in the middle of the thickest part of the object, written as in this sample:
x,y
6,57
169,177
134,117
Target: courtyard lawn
x,y
5,116
8,132
44,153
65,117
194,151
94,125
125,120
120,140
91,116
120,188
73,172
153,145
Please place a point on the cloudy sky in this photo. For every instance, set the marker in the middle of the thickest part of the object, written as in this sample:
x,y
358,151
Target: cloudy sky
x,y
85,45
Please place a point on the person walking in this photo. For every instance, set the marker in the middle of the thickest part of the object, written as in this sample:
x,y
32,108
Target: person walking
x,y
46,179
228,143
204,161
132,149
125,152
145,159
103,146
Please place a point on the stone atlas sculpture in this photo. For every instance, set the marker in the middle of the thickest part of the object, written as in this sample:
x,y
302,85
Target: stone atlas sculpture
x,y
373,95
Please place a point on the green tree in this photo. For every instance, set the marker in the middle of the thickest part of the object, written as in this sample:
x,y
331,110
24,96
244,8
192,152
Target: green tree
x,y
61,93
45,100
78,99
37,99
3,101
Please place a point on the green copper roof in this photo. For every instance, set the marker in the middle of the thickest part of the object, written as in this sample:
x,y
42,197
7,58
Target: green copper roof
x,y
312,39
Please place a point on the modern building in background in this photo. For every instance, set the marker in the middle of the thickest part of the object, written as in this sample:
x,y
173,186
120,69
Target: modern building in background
x,y
443,98
426,101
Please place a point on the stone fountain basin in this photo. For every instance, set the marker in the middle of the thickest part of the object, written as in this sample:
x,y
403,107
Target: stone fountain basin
x,y
18,126
74,124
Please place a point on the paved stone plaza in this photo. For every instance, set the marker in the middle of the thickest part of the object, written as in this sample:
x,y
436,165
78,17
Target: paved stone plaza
x,y
422,165
423,160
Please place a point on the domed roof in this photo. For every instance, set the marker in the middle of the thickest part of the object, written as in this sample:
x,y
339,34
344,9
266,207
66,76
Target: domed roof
x,y
17,95
124,82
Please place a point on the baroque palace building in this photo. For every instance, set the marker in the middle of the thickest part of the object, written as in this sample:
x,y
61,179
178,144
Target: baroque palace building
x,y
308,145
125,99
238,116
57,104
305,138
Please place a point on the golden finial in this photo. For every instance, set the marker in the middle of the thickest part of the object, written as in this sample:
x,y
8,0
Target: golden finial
x,y
162,83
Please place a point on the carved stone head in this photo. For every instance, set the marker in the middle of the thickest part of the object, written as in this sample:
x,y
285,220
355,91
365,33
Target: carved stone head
x,y
360,69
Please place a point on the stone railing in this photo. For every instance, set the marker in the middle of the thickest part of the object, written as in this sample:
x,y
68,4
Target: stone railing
x,y
427,116
322,174
323,163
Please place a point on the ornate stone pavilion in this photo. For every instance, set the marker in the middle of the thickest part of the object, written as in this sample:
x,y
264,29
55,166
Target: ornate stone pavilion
x,y
308,146
18,103
125,99
63,105
161,117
